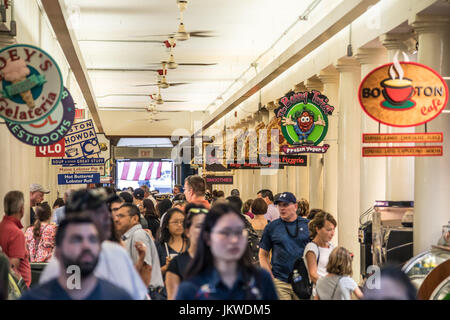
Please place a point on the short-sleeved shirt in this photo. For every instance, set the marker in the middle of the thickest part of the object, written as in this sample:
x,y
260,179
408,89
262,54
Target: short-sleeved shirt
x,y
52,290
41,248
136,233
114,265
209,286
272,212
12,241
323,257
344,287
59,214
285,249
179,264
162,252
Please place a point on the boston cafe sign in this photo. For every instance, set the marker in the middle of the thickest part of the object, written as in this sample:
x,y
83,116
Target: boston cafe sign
x,y
403,94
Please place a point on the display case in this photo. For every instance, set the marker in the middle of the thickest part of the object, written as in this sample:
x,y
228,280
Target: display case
x,y
442,291
418,267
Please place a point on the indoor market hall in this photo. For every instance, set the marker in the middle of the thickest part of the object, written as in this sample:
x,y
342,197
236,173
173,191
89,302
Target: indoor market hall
x,y
243,151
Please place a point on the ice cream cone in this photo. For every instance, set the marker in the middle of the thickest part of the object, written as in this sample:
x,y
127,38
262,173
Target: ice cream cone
x,y
27,96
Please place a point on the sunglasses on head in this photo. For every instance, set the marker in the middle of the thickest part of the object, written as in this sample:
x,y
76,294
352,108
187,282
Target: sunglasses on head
x,y
198,210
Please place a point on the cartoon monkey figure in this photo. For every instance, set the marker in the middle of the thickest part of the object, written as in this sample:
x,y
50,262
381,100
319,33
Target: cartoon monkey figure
x,y
303,122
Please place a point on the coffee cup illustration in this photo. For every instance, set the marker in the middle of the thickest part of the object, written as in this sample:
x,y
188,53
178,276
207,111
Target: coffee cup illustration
x,y
397,91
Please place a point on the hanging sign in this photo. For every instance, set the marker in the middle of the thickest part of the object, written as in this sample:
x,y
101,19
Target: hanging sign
x,y
219,179
81,178
31,84
403,137
50,130
403,94
81,141
420,151
78,162
304,121
54,150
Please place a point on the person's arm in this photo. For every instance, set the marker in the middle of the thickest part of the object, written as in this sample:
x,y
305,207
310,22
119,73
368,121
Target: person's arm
x,y
172,283
312,266
316,297
264,260
166,266
144,270
358,293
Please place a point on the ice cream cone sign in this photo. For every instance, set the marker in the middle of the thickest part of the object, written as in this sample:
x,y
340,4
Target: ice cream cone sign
x,y
16,72
31,84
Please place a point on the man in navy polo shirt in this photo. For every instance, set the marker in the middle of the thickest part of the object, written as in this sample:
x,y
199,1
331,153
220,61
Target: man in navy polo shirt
x,y
287,238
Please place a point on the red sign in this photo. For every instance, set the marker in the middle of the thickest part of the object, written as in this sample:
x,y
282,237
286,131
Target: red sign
x,y
219,179
421,151
79,114
55,150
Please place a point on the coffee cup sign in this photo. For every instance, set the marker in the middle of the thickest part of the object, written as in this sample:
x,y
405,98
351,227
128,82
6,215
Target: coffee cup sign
x,y
403,94
31,84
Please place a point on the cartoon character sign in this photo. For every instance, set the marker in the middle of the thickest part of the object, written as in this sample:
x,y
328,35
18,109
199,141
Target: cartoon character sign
x,y
304,119
304,124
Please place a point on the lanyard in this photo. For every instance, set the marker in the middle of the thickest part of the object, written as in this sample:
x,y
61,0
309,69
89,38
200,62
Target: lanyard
x,y
296,229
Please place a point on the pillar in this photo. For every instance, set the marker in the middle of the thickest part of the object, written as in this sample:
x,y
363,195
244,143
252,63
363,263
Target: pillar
x,y
315,160
399,170
432,174
349,157
373,170
330,80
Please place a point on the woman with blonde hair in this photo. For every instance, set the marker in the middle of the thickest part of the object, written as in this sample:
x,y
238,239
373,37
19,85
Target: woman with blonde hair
x,y
338,284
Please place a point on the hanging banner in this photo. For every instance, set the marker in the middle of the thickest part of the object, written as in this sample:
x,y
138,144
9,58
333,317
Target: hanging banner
x,y
304,121
50,130
403,94
54,150
31,85
81,141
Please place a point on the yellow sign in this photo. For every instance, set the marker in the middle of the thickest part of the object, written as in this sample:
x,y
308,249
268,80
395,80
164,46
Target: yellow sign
x,y
403,94
402,151
402,137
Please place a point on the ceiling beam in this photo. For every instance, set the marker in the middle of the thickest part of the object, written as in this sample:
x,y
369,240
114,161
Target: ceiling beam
x,y
57,17
330,25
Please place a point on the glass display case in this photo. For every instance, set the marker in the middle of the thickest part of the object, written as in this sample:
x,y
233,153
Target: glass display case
x,y
418,267
442,292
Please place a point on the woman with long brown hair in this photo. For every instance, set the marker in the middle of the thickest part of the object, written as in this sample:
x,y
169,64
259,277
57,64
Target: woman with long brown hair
x,y
221,268
40,237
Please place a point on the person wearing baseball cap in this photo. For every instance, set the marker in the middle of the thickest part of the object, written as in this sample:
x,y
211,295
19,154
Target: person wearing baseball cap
x,y
36,196
287,238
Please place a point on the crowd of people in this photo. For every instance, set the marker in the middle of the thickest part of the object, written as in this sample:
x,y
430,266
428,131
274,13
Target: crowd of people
x,y
192,245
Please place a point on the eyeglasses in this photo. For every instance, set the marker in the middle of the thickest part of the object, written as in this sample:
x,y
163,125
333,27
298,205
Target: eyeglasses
x,y
120,216
198,210
228,233
177,222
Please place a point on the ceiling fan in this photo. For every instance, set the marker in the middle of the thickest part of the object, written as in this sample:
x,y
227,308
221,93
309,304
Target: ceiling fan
x,y
150,109
182,34
158,99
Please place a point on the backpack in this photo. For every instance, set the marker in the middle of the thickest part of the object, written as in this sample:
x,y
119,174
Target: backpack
x,y
253,241
299,278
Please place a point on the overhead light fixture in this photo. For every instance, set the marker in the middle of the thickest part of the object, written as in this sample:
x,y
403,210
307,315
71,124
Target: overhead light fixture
x,y
171,63
163,83
182,35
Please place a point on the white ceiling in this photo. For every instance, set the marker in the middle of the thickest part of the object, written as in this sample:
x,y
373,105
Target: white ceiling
x,y
243,30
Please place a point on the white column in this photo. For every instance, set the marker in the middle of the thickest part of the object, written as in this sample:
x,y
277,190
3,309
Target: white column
x,y
399,170
373,170
315,160
330,80
432,174
349,157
